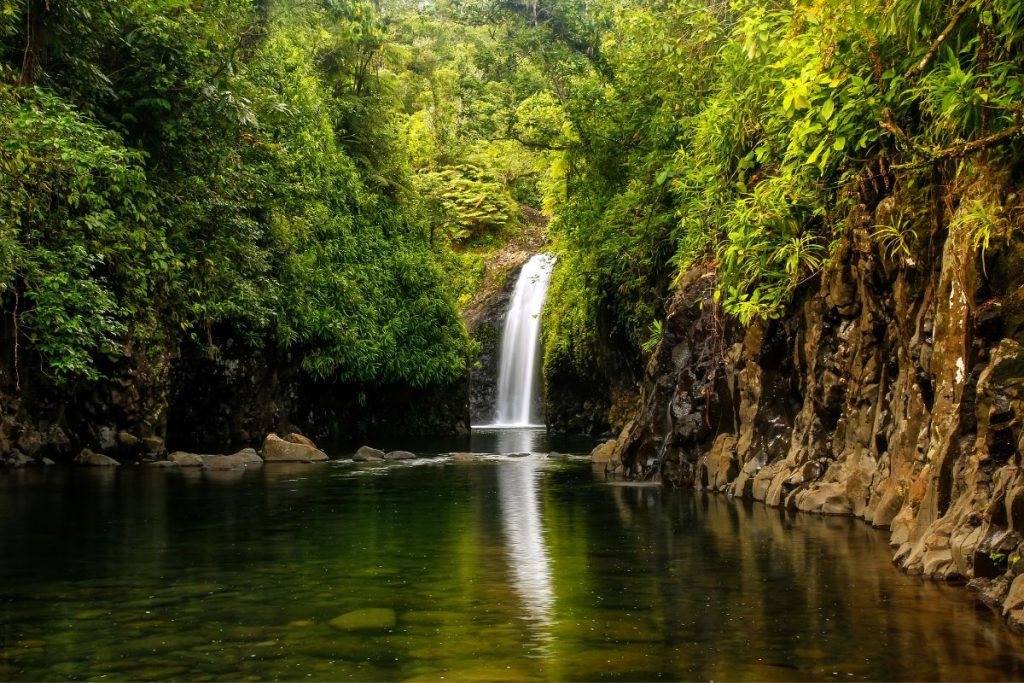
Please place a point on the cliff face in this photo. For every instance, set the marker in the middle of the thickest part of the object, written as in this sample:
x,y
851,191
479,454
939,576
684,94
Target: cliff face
x,y
152,400
893,390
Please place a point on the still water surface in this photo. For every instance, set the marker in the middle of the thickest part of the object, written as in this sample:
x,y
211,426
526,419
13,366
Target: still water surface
x,y
505,569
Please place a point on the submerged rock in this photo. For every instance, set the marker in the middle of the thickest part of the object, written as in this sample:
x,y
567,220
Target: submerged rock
x,y
276,449
92,459
369,619
400,455
367,454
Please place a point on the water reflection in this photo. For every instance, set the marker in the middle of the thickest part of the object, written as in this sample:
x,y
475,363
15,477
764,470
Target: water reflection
x,y
524,569
527,552
509,440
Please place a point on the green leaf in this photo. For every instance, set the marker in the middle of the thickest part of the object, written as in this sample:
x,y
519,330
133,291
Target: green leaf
x,y
827,109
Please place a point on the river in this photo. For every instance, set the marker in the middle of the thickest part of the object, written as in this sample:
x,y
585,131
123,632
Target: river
x,y
504,568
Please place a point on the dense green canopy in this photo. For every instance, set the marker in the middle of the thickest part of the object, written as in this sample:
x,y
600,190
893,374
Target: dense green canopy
x,y
327,175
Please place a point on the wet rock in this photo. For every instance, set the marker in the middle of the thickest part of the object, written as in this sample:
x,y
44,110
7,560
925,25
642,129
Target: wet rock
x,y
604,452
185,459
1013,605
224,462
295,437
368,454
92,459
249,456
463,457
106,437
15,459
400,455
165,464
153,445
369,619
128,442
276,449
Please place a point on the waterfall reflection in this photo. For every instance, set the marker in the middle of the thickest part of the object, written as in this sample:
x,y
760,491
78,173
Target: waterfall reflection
x,y
525,545
509,440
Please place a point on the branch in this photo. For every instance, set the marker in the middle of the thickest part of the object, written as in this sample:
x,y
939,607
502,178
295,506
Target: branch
x,y
919,67
965,148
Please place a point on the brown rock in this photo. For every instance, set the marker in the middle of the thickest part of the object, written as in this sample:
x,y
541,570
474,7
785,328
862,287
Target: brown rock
x,y
400,455
295,437
604,452
367,454
276,449
92,459
249,456
183,459
223,462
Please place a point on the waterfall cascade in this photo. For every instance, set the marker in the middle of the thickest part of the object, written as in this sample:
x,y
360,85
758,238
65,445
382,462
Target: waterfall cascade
x,y
518,403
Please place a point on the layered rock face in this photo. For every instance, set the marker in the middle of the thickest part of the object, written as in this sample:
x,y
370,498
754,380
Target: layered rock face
x,y
893,390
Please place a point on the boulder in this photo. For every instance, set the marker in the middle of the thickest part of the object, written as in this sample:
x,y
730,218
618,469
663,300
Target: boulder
x,y
223,462
367,454
153,445
162,464
128,441
185,459
92,459
250,456
400,455
276,449
295,437
603,453
1013,604
15,459
463,457
370,619
107,438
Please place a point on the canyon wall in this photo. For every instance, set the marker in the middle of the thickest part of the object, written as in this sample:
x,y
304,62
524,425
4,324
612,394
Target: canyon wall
x,y
892,389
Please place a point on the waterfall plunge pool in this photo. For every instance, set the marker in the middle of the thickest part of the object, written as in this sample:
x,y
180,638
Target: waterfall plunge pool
x,y
505,569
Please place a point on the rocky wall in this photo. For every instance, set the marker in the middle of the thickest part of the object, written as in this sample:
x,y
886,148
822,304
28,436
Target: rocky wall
x,y
893,390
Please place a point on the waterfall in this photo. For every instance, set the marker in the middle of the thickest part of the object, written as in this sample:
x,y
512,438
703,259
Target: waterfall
x,y
518,390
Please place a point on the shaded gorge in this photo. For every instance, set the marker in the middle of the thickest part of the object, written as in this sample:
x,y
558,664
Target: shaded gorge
x,y
527,568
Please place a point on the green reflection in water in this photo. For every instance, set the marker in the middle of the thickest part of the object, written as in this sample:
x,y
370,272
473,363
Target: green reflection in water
x,y
517,569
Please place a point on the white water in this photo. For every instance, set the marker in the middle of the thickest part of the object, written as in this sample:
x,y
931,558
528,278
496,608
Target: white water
x,y
518,403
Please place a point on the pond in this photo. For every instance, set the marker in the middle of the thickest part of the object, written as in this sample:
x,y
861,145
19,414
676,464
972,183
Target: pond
x,y
499,569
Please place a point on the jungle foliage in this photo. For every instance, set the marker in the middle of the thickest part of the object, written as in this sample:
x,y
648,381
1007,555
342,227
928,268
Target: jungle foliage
x,y
184,172
325,175
730,132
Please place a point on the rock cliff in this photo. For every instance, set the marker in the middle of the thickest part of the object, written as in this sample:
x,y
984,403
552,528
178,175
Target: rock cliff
x,y
892,390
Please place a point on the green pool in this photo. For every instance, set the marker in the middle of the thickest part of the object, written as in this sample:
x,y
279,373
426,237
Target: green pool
x,y
504,569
